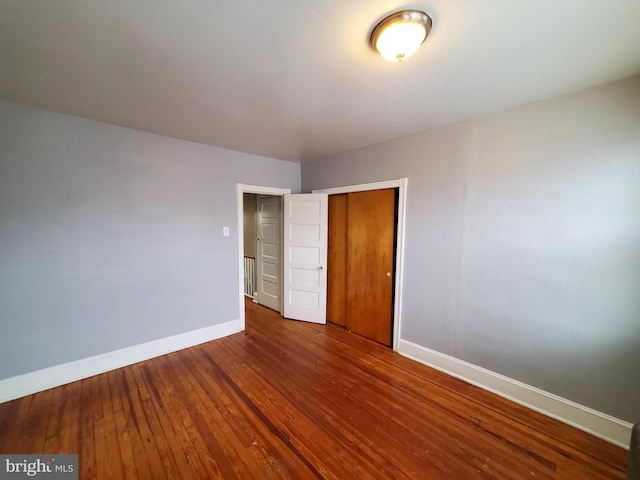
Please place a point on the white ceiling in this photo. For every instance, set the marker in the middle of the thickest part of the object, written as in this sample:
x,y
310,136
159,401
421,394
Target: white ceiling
x,y
296,79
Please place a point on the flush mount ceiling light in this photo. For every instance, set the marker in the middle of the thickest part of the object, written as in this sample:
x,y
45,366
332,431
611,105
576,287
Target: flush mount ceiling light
x,y
399,36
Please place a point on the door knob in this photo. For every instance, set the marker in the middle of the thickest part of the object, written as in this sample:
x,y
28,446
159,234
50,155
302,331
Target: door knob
x,y
388,274
320,267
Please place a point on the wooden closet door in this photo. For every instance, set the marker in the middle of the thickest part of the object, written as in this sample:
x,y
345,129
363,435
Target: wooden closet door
x,y
370,263
337,260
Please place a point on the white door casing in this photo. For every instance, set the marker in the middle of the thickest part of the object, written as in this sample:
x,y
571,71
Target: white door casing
x,y
305,257
401,185
269,252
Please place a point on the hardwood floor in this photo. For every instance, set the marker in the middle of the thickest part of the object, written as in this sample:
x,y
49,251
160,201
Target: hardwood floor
x,y
294,400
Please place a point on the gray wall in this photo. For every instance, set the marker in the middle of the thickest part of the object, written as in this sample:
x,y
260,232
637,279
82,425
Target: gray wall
x,y
523,241
249,204
110,237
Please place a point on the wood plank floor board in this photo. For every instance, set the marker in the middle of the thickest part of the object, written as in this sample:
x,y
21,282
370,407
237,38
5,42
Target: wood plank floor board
x,y
127,455
70,422
36,421
293,400
150,416
383,391
85,444
205,421
304,427
218,426
339,407
184,431
115,459
196,436
475,392
56,421
253,433
377,414
283,418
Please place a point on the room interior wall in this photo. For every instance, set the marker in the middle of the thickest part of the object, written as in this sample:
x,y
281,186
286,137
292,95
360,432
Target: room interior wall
x,y
250,235
522,242
112,237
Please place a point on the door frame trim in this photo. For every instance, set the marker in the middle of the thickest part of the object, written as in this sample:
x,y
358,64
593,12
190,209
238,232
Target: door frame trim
x,y
241,189
401,185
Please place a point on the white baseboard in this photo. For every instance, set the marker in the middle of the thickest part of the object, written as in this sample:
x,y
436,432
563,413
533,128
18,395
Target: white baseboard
x,y
596,423
21,385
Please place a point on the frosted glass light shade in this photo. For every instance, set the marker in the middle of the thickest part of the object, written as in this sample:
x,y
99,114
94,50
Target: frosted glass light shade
x,y
399,36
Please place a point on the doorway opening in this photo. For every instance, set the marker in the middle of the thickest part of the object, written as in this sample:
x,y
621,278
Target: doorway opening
x,y
361,266
263,249
396,272
255,191
400,186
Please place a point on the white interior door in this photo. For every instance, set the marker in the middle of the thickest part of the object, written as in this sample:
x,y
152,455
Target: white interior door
x,y
305,257
268,252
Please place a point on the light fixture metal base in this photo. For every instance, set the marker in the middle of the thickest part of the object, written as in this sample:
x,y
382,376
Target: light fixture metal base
x,y
403,17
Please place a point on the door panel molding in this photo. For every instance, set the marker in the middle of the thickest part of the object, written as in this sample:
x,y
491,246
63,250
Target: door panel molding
x,y
401,185
305,257
269,251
